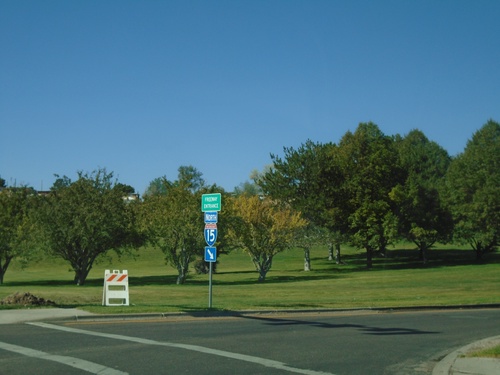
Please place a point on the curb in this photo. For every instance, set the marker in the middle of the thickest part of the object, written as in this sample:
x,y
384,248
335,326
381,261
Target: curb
x,y
455,363
236,313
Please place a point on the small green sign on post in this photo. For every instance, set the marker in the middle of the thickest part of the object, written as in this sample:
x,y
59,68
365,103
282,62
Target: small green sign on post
x,y
211,202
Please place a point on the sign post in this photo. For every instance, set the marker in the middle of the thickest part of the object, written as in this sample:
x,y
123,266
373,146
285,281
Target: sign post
x,y
210,205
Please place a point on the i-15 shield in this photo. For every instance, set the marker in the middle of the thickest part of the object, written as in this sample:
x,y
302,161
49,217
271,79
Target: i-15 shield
x,y
210,234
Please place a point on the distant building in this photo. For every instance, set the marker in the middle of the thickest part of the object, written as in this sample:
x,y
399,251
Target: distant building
x,y
131,197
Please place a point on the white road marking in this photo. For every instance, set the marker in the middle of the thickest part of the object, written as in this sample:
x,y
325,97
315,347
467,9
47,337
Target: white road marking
x,y
93,368
241,357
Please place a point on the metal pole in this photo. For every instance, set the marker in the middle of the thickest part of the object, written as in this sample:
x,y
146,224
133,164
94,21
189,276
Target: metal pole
x,y
210,287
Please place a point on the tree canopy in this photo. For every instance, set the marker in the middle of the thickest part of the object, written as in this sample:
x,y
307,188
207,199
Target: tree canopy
x,y
473,190
422,215
310,180
172,223
263,228
370,189
16,225
85,219
370,166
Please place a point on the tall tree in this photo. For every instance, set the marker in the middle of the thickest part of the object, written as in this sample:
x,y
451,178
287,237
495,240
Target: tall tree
x,y
173,223
85,219
190,178
60,182
337,204
156,187
16,226
247,188
473,190
253,186
296,179
263,228
423,218
369,164
308,179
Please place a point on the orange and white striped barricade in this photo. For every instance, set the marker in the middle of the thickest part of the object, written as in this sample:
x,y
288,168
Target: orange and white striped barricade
x,y
115,292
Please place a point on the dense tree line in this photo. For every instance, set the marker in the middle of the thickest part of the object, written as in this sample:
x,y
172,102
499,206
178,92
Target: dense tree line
x,y
369,190
372,189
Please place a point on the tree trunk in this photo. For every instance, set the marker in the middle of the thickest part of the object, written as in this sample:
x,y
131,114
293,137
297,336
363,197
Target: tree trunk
x,y
181,278
479,253
424,255
369,257
82,269
422,251
182,270
307,259
382,247
80,277
182,265
3,268
338,260
263,266
481,249
330,251
262,275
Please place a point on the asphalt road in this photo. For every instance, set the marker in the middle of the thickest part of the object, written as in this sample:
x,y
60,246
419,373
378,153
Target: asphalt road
x,y
309,343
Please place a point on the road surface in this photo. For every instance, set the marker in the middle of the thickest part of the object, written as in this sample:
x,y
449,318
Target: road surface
x,y
307,343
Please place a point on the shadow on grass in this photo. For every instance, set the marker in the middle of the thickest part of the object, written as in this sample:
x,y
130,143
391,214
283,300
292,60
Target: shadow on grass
x,y
251,280
397,259
152,280
169,280
96,282
31,283
410,259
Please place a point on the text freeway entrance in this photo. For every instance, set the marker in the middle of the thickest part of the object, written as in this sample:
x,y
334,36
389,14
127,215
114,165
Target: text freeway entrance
x,y
211,202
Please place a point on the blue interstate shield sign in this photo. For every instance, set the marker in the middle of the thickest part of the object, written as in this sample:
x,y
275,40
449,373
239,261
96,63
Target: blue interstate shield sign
x,y
210,234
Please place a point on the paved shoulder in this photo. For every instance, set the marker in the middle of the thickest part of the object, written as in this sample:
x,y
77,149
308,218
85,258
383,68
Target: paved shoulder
x,y
30,315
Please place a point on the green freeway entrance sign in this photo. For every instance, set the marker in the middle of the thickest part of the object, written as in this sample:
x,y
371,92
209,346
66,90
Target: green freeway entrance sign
x,y
211,202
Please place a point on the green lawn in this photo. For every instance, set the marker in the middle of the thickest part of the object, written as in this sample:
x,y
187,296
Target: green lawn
x,y
452,277
493,352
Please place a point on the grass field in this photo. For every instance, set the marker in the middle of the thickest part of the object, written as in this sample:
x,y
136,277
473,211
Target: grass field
x,y
451,277
493,352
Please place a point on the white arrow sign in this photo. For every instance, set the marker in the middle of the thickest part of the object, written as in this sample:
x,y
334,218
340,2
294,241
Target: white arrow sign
x,y
210,254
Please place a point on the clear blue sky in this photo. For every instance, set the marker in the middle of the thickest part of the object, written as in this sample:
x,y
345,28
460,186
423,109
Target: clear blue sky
x,y
143,87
